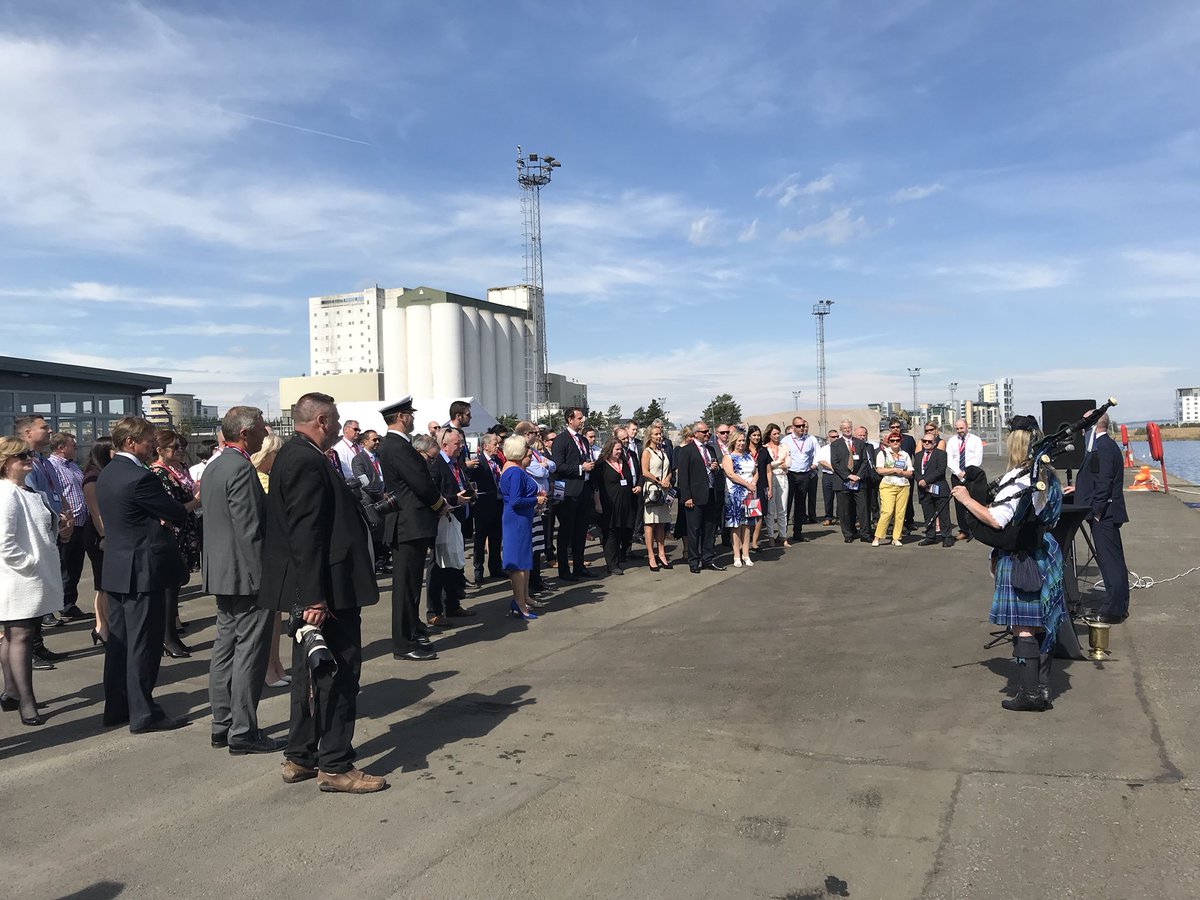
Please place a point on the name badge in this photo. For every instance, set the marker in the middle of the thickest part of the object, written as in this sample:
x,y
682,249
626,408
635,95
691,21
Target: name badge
x,y
624,483
854,457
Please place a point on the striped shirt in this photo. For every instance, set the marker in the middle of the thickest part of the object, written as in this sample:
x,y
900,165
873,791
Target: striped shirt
x,y
70,478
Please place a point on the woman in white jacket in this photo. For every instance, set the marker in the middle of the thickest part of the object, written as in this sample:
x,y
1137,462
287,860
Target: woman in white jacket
x,y
30,581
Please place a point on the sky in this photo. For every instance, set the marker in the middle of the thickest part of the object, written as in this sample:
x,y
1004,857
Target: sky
x,y
983,189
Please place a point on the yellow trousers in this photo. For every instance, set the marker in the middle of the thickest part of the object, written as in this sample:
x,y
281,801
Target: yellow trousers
x,y
893,504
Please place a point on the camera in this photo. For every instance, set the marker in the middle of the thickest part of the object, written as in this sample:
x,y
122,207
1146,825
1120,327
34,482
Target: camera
x,y
316,652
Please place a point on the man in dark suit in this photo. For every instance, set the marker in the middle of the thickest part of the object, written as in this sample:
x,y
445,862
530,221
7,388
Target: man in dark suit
x,y
572,455
141,560
447,586
406,473
232,571
929,468
317,560
699,474
366,465
848,460
488,509
1100,486
871,479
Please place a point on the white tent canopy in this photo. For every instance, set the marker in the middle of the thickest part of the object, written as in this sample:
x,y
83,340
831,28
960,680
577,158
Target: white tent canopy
x,y
366,412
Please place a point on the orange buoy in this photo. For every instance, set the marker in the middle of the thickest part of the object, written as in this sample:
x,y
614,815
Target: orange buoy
x,y
1154,438
1129,463
1144,481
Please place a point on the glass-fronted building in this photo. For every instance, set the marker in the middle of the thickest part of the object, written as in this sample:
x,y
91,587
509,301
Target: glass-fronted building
x,y
82,400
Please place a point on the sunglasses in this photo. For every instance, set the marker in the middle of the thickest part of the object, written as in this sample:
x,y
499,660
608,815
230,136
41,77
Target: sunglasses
x,y
896,441
926,440
24,455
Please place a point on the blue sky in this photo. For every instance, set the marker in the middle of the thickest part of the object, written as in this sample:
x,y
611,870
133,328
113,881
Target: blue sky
x,y
983,189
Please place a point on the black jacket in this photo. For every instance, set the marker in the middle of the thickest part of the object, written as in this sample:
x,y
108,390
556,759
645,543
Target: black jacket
x,y
693,475
1100,483
487,504
140,555
934,473
406,474
567,460
316,543
443,478
843,465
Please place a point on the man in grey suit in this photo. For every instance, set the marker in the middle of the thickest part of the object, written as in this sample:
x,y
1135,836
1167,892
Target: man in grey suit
x,y
232,569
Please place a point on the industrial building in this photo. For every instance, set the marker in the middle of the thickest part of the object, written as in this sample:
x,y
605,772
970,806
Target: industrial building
x,y
387,342
1187,406
169,410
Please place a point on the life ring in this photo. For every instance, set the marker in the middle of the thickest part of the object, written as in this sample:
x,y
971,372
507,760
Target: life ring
x,y
1124,436
1154,436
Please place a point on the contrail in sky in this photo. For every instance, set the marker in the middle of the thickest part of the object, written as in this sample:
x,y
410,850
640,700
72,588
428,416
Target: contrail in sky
x,y
336,137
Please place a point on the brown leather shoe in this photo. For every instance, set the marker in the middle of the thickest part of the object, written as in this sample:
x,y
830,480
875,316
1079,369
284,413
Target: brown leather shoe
x,y
352,782
438,621
293,772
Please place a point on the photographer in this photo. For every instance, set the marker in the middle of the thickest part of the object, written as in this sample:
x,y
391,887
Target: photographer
x,y
317,567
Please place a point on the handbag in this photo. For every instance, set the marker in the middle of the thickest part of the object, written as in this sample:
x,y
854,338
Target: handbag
x,y
653,493
753,507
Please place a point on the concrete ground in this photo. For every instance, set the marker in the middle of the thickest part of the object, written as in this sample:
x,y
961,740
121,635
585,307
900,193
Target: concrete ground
x,y
826,724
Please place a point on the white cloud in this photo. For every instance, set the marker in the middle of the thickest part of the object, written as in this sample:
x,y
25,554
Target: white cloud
x,y
1010,276
1166,265
703,231
839,227
916,192
749,233
92,292
788,189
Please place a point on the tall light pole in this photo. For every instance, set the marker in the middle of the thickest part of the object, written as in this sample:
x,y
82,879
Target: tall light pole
x,y
914,374
953,403
533,172
796,400
820,311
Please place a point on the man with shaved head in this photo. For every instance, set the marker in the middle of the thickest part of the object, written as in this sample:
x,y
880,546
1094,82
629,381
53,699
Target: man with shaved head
x,y
1100,488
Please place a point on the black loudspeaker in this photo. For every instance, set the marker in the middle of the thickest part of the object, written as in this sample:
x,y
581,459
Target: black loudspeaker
x,y
1056,414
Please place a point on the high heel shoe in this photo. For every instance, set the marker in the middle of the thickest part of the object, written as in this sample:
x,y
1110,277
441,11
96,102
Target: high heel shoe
x,y
515,610
663,564
36,720
178,652
9,704
96,639
654,568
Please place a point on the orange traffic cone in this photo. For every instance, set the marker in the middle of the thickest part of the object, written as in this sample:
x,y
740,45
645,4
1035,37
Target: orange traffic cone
x,y
1144,481
1129,463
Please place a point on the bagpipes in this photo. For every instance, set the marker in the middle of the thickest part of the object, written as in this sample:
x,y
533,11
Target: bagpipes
x,y
1024,532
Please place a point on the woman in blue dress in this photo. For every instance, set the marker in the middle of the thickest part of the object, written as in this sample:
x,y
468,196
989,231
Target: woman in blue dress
x,y
522,499
741,482
1030,601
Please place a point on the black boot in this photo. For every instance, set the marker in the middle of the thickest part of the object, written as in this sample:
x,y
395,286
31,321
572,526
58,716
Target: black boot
x,y
1044,662
1029,697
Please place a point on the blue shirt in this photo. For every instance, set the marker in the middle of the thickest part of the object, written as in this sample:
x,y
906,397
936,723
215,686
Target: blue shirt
x,y
44,480
802,452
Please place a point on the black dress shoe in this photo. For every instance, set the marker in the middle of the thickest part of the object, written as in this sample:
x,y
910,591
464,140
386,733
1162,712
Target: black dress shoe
x,y
695,570
1025,703
258,743
166,723
569,578
423,640
44,653
50,620
461,613
1104,619
220,741
716,567
40,664
948,542
73,614
417,654
927,542
584,573
849,540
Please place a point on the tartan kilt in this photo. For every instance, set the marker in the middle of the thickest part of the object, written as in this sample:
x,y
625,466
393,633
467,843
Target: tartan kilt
x,y
1031,609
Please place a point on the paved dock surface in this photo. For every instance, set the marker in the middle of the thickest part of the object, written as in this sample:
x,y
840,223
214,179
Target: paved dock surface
x,y
825,724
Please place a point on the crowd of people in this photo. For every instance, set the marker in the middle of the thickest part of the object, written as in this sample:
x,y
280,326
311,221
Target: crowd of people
x,y
300,531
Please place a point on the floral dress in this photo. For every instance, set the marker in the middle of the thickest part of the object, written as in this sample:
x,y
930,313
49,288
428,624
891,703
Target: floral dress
x,y
181,488
735,494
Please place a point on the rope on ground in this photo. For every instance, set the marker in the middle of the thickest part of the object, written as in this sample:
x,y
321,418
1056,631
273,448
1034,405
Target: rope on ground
x,y
1145,581
1175,490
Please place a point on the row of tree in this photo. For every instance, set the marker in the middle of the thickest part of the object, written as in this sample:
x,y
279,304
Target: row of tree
x,y
722,408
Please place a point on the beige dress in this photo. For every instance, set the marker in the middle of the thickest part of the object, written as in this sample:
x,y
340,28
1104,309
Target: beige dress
x,y
657,513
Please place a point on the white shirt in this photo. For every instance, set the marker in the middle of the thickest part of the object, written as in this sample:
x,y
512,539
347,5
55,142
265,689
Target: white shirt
x,y
898,460
974,452
824,456
346,451
1004,507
